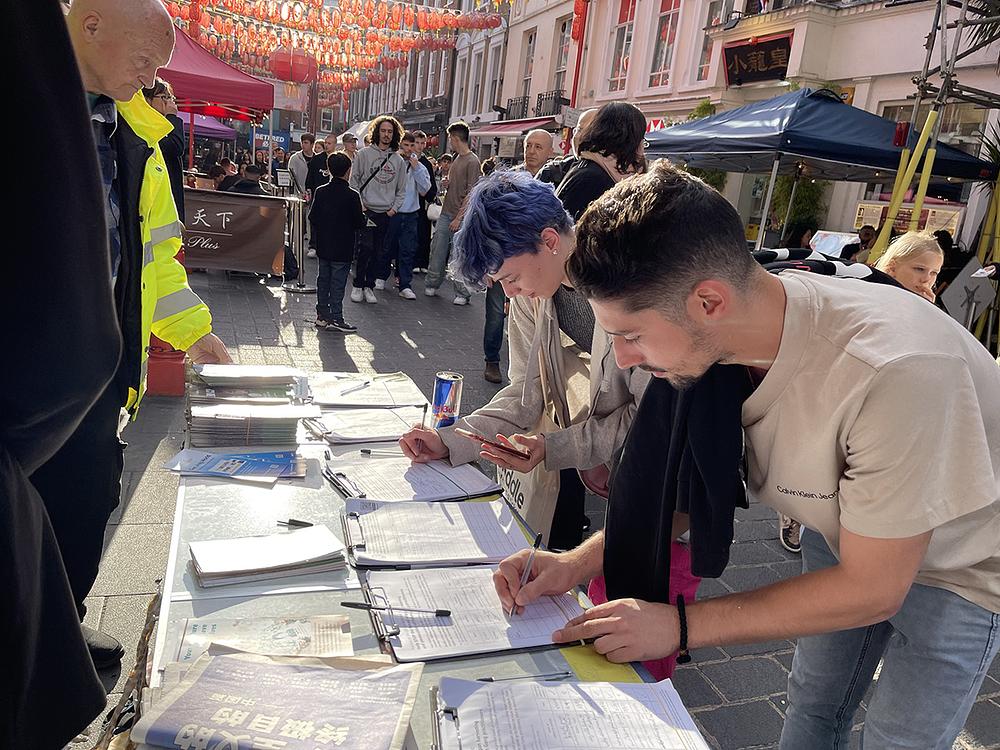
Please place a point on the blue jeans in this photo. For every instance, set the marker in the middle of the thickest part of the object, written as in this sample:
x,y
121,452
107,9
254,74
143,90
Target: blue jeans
x,y
390,250
440,249
401,246
330,285
935,652
496,313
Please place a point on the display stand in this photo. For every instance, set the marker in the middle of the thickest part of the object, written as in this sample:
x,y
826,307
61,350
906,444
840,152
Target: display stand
x,y
299,285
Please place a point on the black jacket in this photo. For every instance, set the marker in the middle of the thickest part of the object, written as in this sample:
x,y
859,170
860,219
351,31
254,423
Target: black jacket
x,y
246,187
585,182
68,347
172,148
317,174
228,181
336,215
427,199
555,170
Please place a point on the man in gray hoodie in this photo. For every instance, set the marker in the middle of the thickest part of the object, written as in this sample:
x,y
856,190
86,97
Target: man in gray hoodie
x,y
379,175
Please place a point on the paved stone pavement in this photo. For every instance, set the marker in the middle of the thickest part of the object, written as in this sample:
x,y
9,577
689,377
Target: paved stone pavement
x,y
737,694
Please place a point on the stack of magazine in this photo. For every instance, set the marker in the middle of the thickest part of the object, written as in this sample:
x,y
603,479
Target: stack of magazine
x,y
221,562
218,425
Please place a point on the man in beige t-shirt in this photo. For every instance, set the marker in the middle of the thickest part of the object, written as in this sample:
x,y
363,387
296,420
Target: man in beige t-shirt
x,y
875,421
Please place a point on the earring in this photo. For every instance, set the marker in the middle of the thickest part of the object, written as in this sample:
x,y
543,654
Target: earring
x,y
555,252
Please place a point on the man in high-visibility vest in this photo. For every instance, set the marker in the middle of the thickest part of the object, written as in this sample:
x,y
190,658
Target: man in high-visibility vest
x,y
119,44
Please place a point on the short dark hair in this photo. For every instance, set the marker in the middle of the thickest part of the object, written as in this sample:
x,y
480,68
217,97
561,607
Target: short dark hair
x,y
216,171
253,169
397,131
225,161
349,137
407,136
419,134
653,237
311,137
460,129
338,163
617,130
445,157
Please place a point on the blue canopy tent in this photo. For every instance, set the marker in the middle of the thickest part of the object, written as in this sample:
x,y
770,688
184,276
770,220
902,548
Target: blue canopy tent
x,y
807,133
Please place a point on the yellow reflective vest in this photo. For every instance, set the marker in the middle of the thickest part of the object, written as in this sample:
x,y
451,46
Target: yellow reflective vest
x,y
170,309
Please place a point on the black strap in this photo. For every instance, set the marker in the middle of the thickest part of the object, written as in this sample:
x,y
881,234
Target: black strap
x,y
683,657
372,175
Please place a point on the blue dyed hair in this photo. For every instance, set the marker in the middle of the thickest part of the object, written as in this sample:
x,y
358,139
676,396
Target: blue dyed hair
x,y
505,214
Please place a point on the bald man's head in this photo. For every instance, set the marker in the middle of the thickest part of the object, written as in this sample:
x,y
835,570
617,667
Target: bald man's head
x,y
120,44
537,150
585,117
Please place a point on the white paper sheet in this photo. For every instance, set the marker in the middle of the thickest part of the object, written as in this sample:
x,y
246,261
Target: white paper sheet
x,y
534,715
478,623
381,391
321,635
435,534
385,477
344,426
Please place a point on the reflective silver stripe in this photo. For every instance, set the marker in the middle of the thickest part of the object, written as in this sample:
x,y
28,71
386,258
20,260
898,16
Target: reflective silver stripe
x,y
175,302
147,254
166,232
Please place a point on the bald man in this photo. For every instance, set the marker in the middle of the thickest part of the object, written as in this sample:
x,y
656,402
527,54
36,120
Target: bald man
x,y
118,45
537,150
556,169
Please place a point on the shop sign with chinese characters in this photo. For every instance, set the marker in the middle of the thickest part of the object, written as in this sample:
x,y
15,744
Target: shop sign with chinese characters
x,y
757,59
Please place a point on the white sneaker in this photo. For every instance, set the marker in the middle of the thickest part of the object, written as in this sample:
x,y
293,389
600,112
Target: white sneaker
x,y
370,297
357,294
310,253
430,291
407,294
460,300
380,284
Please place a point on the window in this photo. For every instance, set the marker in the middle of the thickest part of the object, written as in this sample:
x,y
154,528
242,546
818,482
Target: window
x,y
663,43
718,12
494,76
326,120
476,104
421,66
460,82
442,73
564,27
529,62
621,46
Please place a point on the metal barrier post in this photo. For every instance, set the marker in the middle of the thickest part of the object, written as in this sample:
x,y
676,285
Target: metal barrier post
x,y
299,286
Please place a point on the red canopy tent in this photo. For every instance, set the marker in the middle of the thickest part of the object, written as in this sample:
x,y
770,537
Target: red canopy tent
x,y
205,85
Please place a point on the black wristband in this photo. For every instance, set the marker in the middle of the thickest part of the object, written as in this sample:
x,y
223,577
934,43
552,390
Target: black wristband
x,y
683,657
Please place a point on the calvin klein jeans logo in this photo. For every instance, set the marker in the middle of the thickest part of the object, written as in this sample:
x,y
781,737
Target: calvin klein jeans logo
x,y
805,494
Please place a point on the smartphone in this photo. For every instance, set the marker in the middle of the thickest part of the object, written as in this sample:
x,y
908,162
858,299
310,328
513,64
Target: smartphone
x,y
492,443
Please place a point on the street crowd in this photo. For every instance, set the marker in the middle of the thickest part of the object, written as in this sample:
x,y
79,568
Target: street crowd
x,y
654,361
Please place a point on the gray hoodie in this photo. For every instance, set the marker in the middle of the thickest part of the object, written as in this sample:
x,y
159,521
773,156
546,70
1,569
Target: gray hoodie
x,y
387,189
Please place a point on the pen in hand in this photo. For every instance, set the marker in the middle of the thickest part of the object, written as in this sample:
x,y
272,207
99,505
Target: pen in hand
x,y
526,573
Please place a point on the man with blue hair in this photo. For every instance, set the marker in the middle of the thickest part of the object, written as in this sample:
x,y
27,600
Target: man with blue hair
x,y
516,232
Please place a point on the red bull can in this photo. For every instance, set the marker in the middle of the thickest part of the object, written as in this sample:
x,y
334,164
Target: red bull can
x,y
447,401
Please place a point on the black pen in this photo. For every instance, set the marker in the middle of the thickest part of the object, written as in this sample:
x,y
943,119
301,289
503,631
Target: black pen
x,y
294,523
526,573
376,608
549,676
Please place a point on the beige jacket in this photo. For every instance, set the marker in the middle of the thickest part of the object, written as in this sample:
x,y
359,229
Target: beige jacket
x,y
549,374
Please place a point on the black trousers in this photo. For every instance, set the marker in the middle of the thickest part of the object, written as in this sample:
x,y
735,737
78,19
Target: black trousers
x,y
81,487
423,256
567,521
371,244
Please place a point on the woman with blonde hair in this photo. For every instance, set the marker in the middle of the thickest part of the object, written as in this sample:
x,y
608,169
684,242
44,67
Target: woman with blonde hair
x,y
914,260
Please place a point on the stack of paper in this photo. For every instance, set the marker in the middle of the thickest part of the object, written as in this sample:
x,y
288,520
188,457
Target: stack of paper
x,y
372,391
246,424
347,426
430,534
478,623
562,716
248,376
393,477
260,468
241,700
322,635
256,558
206,394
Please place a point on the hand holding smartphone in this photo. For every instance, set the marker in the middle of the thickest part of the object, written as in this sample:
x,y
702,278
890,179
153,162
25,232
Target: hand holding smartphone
x,y
492,443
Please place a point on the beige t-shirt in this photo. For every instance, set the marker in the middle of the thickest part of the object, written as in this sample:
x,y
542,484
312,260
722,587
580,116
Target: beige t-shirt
x,y
882,415
464,174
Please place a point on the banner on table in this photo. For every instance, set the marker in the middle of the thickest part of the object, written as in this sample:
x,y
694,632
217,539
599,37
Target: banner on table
x,y
234,232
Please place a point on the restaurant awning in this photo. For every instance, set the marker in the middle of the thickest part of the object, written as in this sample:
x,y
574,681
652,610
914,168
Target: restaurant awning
x,y
503,128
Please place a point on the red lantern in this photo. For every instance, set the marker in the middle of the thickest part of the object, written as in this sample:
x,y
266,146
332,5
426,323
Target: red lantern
x,y
293,64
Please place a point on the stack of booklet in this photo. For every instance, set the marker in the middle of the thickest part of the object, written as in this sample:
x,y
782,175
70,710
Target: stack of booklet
x,y
258,558
239,701
225,424
389,475
248,376
263,467
348,426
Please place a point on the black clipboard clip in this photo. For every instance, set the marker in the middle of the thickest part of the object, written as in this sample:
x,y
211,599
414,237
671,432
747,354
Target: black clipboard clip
x,y
343,484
